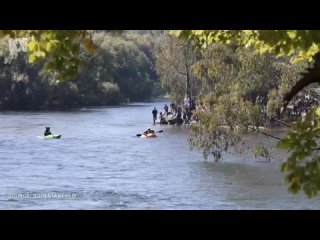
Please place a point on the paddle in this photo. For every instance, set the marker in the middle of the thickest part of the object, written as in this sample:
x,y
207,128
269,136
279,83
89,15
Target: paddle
x,y
139,135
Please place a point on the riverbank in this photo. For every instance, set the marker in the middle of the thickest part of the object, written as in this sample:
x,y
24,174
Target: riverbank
x,y
78,107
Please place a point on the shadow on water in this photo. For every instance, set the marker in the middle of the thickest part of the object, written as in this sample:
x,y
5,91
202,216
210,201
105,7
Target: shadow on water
x,y
73,110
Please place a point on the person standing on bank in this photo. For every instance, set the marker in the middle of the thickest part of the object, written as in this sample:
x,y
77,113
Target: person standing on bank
x,y
154,113
166,109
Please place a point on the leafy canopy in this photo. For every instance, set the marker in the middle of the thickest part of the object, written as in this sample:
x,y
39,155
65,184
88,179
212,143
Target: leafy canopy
x,y
63,51
300,44
302,139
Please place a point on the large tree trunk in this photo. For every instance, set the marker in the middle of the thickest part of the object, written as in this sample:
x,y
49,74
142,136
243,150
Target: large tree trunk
x,y
311,76
188,86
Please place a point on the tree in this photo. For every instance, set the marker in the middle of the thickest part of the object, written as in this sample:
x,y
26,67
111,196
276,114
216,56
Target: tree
x,y
130,62
236,84
120,68
302,166
174,61
62,51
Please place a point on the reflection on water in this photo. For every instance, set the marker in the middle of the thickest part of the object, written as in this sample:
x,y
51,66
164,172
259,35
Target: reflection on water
x,y
105,165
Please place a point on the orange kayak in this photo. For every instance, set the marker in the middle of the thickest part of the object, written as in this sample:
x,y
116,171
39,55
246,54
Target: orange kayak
x,y
149,135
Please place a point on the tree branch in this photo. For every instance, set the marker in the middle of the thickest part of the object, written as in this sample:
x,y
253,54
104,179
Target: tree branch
x,y
283,123
266,134
311,76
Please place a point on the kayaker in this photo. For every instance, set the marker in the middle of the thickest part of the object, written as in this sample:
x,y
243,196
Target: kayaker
x,y
148,131
154,113
47,131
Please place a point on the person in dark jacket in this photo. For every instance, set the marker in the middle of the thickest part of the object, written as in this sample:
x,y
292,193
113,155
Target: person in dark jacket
x,y
154,113
47,131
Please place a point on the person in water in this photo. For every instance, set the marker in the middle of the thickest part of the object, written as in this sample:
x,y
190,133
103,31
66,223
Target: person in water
x,y
47,131
154,113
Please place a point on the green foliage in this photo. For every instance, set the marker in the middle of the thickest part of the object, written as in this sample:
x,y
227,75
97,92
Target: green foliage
x,y
62,51
235,85
261,151
300,44
301,141
223,124
302,166
119,69
290,75
130,62
174,61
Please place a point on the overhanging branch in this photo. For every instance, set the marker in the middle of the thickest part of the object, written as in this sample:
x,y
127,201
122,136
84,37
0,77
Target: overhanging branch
x,y
266,134
311,76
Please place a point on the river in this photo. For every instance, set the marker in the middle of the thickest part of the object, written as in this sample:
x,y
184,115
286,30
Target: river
x,y
99,163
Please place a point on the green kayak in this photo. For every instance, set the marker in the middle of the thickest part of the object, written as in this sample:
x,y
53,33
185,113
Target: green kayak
x,y
51,137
